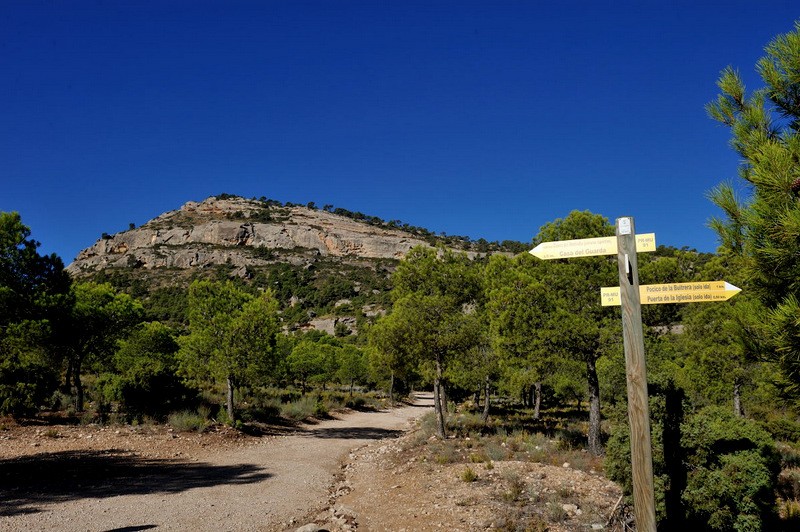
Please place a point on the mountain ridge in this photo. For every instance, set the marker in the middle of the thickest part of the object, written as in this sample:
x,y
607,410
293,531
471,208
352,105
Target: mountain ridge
x,y
242,232
328,267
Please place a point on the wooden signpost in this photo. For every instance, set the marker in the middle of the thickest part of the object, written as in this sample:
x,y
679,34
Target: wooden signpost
x,y
631,296
644,505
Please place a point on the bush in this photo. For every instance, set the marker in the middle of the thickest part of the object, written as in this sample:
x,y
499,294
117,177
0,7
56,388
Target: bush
x,y
28,377
466,424
468,475
725,474
790,455
23,389
732,471
187,421
355,402
261,409
300,410
783,428
321,409
145,381
427,425
147,394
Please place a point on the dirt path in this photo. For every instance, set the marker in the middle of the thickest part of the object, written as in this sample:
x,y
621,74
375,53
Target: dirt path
x,y
264,484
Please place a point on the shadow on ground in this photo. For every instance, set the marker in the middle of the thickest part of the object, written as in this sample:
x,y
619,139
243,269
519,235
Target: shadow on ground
x,y
31,481
353,433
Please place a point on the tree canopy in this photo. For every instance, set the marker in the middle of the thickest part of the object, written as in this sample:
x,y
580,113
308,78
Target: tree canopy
x,y
35,303
764,225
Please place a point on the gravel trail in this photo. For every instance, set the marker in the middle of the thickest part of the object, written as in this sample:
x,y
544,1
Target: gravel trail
x,y
270,485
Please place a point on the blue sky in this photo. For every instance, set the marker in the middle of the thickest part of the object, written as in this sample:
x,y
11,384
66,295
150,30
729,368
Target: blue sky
x,y
485,119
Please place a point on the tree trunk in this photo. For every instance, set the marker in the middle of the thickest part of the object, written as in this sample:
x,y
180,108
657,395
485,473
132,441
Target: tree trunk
x,y
537,404
487,389
737,398
443,395
68,378
391,388
437,400
76,379
476,398
595,447
229,401
673,458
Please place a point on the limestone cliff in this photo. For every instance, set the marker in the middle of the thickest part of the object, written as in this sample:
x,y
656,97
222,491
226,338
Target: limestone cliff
x,y
242,233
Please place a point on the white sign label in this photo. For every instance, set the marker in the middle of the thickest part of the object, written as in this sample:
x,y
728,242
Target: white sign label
x,y
624,226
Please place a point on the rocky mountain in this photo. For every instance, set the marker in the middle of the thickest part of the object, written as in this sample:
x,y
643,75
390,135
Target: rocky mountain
x,y
242,233
328,267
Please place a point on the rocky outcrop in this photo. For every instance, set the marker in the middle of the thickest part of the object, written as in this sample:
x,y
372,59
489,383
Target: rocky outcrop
x,y
241,233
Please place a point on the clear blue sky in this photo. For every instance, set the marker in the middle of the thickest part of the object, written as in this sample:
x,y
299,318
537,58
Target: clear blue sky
x,y
485,119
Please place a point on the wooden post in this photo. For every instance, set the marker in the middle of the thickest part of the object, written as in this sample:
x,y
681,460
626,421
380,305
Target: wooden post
x,y
638,409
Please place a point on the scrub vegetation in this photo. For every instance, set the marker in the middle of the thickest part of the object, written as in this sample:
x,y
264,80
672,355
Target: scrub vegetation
x,y
524,362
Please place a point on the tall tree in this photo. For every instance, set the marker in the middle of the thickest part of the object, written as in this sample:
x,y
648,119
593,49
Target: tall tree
x,y
764,227
304,362
435,295
387,357
352,366
253,341
517,306
231,336
35,302
721,340
578,327
100,318
145,376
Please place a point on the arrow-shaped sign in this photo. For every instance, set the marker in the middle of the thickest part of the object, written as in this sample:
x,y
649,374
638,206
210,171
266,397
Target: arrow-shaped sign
x,y
588,247
657,294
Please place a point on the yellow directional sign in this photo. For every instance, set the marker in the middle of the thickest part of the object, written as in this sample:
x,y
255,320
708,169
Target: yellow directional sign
x,y
588,247
656,294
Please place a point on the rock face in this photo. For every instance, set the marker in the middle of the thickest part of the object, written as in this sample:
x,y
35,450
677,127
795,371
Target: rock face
x,y
241,233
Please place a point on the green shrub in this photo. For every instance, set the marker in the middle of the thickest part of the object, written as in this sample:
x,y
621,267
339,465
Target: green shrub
x,y
783,428
733,468
725,474
496,452
145,382
477,458
465,424
300,410
445,453
468,475
27,376
61,401
790,511
427,425
355,402
556,512
321,408
187,421
516,487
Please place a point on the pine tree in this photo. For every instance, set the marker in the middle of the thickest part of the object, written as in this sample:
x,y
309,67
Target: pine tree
x,y
578,329
764,227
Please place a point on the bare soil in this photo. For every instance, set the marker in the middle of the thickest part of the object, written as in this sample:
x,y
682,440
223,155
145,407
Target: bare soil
x,y
356,472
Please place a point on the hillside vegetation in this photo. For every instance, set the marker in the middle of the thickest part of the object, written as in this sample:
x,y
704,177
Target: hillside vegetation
x,y
238,311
